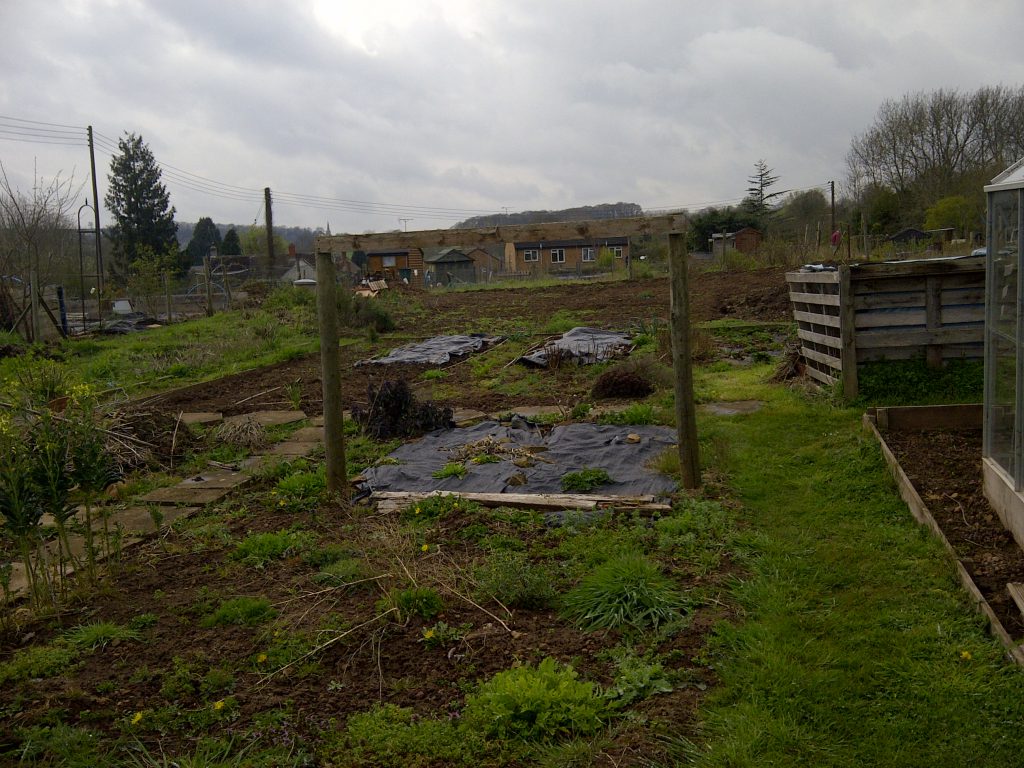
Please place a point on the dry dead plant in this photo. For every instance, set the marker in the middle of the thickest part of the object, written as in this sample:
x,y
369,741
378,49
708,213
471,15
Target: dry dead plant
x,y
242,433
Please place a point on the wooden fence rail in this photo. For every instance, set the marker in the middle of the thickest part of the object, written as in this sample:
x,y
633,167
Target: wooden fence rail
x,y
930,308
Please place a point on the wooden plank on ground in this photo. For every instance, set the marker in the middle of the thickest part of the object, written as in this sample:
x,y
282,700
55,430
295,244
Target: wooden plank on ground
x,y
526,500
1016,590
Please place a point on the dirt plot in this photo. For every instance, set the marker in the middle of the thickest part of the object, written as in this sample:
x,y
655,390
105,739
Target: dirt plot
x,y
757,295
945,468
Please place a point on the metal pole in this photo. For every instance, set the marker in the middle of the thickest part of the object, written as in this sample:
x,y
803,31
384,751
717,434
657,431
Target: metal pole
x,y
330,363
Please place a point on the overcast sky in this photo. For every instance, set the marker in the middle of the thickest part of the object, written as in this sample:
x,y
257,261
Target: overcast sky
x,y
433,110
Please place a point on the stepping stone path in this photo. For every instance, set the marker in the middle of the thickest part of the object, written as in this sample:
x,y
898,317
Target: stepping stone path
x,y
160,508
733,408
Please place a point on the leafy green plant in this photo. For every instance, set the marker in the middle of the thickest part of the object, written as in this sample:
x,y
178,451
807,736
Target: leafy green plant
x,y
301,489
391,737
627,591
258,549
434,507
99,635
586,479
637,413
542,703
512,579
38,661
442,635
451,469
247,611
414,601
636,677
322,556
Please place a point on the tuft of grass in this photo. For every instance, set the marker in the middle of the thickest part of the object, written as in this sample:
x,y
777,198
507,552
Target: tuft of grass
x,y
258,549
423,602
637,413
40,661
99,635
451,469
341,573
242,611
512,579
627,591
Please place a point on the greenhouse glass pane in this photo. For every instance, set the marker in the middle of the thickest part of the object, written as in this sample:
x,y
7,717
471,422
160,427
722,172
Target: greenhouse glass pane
x,y
1004,261
1002,409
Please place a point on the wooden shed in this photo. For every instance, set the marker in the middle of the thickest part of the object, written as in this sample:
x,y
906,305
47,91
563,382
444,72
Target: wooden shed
x,y
928,308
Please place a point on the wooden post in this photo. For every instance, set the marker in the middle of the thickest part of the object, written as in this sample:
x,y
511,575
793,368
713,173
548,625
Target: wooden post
x,y
269,212
330,363
167,295
847,333
679,322
34,299
209,285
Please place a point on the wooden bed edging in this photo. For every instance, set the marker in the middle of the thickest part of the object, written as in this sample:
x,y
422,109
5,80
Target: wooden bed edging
x,y
393,500
923,516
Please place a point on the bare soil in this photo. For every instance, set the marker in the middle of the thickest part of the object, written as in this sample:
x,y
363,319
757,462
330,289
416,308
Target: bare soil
x,y
945,468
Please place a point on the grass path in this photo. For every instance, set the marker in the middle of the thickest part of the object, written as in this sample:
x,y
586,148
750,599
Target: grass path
x,y
857,646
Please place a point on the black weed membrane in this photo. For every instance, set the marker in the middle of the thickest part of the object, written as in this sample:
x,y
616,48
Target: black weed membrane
x,y
438,350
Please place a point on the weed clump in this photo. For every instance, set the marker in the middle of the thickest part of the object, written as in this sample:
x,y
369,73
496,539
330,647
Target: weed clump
x,y
423,602
510,578
628,591
243,611
586,479
394,412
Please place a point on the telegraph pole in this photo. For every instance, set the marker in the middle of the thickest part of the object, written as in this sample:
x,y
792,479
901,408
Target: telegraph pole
x,y
832,225
270,231
96,221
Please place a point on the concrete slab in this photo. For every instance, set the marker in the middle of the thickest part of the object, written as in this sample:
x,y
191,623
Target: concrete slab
x,y
184,494
269,418
733,408
202,417
139,520
216,480
463,417
293,448
255,464
307,435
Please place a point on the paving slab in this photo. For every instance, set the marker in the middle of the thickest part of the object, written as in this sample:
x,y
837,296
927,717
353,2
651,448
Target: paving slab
x,y
733,408
307,435
269,418
294,448
140,520
255,464
202,417
184,494
463,417
216,480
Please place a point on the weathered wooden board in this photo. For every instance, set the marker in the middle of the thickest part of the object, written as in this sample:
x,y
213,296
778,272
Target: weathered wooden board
x,y
820,338
401,499
821,299
812,317
812,277
918,417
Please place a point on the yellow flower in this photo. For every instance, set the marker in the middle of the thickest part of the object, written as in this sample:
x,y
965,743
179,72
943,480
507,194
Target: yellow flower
x,y
417,510
280,503
965,655
136,718
425,548
218,705
427,634
261,659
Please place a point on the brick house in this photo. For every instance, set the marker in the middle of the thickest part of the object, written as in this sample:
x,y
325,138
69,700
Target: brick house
x,y
562,255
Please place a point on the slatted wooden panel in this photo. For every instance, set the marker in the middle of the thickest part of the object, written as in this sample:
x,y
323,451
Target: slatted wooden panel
x,y
933,308
815,297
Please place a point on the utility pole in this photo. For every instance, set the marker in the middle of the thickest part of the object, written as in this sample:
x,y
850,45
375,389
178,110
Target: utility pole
x,y
270,231
405,223
832,223
96,221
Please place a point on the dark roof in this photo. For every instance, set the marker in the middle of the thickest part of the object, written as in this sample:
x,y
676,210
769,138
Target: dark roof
x,y
444,256
594,242
904,235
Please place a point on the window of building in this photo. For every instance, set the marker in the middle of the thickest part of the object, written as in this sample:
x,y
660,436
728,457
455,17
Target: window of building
x,y
616,251
558,255
531,255
387,261
588,254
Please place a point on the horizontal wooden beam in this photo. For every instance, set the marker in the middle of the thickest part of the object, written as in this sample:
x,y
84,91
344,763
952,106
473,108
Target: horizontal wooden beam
x,y
402,499
824,299
819,338
813,317
878,339
597,229
830,277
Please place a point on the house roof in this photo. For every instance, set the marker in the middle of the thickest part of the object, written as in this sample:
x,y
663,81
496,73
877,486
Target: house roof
x,y
444,256
910,233
594,242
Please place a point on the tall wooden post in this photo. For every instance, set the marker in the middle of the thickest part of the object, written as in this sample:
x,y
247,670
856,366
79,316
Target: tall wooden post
x,y
167,295
679,319
330,363
209,285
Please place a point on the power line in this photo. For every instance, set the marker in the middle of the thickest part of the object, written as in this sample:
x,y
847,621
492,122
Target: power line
x,y
39,122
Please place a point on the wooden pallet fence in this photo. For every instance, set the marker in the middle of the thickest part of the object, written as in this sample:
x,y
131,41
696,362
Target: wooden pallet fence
x,y
929,308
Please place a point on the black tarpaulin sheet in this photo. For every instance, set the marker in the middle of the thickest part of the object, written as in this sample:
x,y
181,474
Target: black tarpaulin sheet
x,y
436,351
529,460
584,346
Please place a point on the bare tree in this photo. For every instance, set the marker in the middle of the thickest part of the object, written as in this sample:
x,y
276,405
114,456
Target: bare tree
x,y
36,232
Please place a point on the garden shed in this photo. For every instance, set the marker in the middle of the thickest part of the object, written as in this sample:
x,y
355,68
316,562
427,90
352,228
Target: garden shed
x,y
1003,447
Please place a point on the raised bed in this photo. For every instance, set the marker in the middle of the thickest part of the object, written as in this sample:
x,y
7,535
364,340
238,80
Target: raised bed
x,y
992,596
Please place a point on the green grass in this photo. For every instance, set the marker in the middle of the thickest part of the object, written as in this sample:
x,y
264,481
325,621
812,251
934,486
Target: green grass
x,y
852,647
912,382
243,611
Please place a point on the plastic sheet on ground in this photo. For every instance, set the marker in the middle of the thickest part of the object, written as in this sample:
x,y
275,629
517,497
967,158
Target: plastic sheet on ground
x,y
435,351
529,461
583,346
